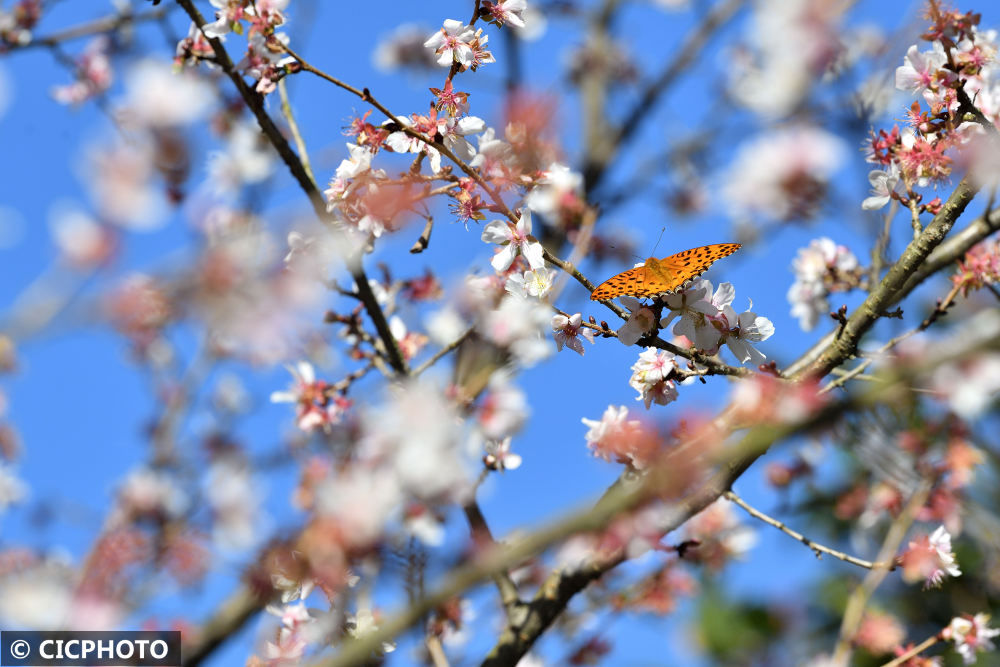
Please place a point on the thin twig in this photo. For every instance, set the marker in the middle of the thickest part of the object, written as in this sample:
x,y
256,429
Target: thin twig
x,y
916,650
255,103
815,546
105,24
856,604
293,127
442,352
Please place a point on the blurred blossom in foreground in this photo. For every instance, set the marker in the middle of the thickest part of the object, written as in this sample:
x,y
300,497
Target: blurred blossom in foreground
x,y
158,97
404,48
148,494
12,489
970,386
122,181
783,174
619,439
419,435
80,239
234,499
720,535
930,558
93,74
972,635
765,78
246,159
879,633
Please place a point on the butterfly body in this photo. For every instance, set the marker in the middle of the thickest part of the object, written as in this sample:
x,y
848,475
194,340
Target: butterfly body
x,y
657,276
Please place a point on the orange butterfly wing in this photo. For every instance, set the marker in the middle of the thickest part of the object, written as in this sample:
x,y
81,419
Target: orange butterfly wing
x,y
657,276
633,281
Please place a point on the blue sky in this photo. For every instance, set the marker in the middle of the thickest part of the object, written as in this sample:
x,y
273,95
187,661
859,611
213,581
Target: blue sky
x,y
81,407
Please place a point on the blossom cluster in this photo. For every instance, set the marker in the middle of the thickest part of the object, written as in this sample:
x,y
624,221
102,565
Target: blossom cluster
x,y
821,269
960,64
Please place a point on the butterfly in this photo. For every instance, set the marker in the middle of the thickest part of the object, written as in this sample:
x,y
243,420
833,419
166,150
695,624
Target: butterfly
x,y
657,276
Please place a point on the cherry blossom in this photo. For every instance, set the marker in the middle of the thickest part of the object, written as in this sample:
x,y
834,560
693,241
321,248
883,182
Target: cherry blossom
x,y
503,410
454,131
418,436
514,240
247,159
558,194
452,44
651,377
641,321
971,635
12,489
720,533
969,387
157,97
569,330
764,78
507,11
821,268
495,157
518,324
234,499
536,283
314,407
695,308
738,331
883,185
616,438
93,74
919,71
148,493
359,162
401,142
930,559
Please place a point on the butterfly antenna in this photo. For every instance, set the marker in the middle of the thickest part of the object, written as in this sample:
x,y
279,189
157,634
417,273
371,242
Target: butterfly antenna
x,y
658,239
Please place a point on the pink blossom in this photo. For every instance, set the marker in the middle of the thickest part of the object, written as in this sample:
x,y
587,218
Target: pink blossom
x,y
507,11
641,321
503,410
930,558
568,331
558,194
971,635
616,438
93,74
452,44
820,269
315,407
920,69
651,377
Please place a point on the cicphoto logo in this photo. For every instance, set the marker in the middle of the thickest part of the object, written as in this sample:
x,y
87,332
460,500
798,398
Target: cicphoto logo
x,y
90,648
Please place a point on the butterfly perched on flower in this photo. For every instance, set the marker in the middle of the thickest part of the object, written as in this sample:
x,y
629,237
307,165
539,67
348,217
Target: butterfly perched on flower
x,y
657,276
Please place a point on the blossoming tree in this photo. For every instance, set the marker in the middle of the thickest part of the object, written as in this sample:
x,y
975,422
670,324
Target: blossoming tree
x,y
434,365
